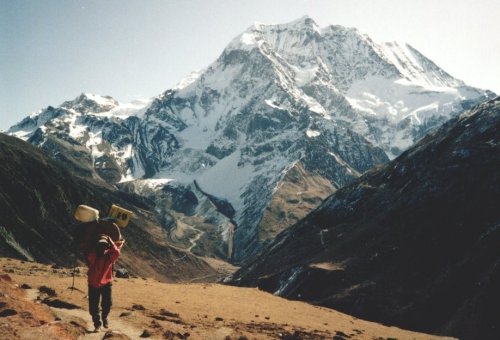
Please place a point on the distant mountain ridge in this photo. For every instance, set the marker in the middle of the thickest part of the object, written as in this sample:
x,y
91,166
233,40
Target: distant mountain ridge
x,y
412,244
38,197
325,102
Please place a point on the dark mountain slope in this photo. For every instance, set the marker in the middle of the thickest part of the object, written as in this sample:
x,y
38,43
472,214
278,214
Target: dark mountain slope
x,y
38,197
415,243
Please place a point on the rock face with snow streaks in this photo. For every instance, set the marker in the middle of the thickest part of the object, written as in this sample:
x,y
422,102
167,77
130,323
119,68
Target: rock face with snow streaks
x,y
328,98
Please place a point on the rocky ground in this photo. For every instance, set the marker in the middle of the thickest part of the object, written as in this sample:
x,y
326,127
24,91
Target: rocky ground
x,y
37,302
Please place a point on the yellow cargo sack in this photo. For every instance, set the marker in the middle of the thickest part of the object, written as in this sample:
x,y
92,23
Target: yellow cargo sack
x,y
86,214
121,215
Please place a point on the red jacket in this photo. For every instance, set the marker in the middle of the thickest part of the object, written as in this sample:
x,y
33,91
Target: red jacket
x,y
101,268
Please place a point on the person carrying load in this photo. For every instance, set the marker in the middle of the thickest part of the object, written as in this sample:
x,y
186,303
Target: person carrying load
x,y
101,243
100,276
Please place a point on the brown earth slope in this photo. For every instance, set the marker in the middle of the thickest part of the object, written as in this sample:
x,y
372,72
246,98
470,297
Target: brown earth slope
x,y
298,193
170,311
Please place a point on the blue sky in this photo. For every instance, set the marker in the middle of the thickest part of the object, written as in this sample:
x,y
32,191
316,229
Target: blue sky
x,y
51,51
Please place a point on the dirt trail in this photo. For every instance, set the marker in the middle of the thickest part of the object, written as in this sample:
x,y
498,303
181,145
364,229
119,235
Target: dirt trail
x,y
115,322
194,240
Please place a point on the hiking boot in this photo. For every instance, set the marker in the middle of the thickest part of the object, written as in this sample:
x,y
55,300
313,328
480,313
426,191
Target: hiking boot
x,y
105,323
97,329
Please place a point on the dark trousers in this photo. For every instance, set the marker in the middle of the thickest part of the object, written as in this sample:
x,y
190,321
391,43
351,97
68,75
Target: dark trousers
x,y
95,294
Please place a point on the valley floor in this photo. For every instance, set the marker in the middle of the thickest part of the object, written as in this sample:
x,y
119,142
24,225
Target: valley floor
x,y
166,311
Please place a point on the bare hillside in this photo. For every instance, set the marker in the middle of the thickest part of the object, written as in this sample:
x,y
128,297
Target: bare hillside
x,y
169,311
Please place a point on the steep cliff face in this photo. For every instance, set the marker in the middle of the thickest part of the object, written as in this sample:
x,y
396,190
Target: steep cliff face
x,y
329,98
413,243
38,197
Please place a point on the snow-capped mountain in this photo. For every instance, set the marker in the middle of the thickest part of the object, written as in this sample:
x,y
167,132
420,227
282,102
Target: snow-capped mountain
x,y
286,114
97,127
389,93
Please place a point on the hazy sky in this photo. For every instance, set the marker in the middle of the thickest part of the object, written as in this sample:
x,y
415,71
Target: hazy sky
x,y
53,50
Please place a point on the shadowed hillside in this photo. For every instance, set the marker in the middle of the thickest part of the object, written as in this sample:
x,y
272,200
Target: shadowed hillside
x,y
38,197
414,243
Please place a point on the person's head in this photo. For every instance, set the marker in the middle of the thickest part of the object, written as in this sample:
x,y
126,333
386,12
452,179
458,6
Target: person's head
x,y
101,246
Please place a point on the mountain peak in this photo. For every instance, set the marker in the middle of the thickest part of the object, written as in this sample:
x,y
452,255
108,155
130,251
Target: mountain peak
x,y
342,29
88,102
304,21
260,32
